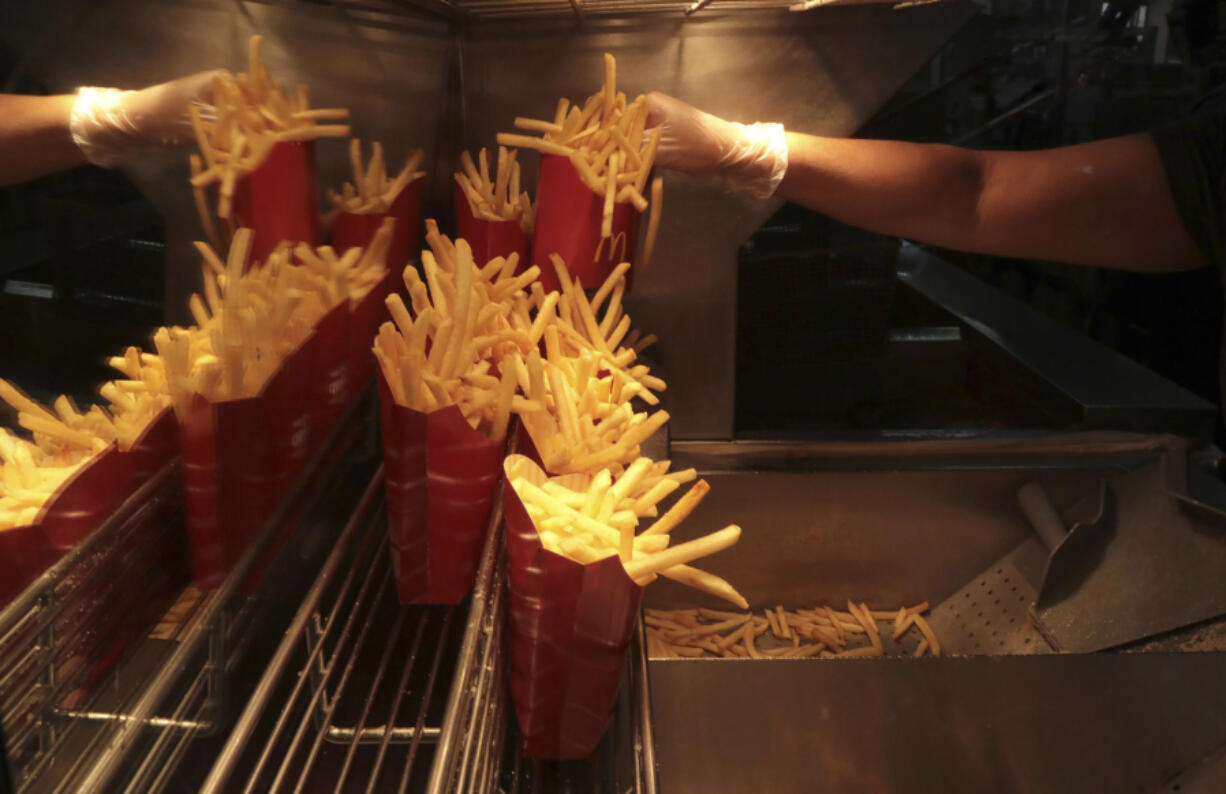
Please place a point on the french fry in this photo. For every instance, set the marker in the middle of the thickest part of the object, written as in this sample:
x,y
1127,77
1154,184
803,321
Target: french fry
x,y
653,223
707,582
528,142
371,191
253,113
641,567
680,511
934,647
574,507
604,141
501,199
779,632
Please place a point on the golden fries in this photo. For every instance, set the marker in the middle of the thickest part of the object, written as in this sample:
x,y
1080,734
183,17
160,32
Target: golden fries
x,y
588,378
249,321
799,633
603,139
501,198
371,191
253,113
590,517
439,351
62,438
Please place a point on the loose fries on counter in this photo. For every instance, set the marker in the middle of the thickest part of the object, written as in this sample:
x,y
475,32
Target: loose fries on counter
x,y
254,113
500,198
590,517
606,142
786,634
371,191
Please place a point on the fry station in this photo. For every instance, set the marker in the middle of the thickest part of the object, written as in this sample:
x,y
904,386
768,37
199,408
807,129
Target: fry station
x,y
430,429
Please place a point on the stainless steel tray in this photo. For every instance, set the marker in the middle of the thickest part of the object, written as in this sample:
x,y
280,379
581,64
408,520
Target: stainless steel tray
x,y
822,528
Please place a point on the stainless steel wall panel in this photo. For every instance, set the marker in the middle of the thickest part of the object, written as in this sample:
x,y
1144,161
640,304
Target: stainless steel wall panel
x,y
824,72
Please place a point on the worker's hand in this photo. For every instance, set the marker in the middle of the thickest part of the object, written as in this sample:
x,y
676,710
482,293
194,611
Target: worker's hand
x,y
744,158
113,127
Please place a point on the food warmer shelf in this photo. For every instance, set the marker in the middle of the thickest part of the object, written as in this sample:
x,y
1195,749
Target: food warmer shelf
x,y
300,672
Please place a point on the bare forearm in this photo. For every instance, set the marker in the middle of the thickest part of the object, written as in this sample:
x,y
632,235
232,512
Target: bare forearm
x,y
926,192
1104,204
34,137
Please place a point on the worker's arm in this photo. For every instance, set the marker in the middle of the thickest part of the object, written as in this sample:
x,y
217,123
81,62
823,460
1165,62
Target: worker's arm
x,y
34,137
1106,204
40,135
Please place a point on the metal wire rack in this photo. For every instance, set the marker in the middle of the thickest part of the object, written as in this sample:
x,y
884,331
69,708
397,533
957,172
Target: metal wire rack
x,y
62,635
366,695
361,694
83,685
366,691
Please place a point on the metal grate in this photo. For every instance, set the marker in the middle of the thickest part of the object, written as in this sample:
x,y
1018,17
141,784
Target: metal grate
x,y
366,695
82,684
362,708
62,636
990,614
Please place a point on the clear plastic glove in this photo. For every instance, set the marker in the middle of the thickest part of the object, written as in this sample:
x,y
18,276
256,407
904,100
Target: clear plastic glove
x,y
743,158
112,126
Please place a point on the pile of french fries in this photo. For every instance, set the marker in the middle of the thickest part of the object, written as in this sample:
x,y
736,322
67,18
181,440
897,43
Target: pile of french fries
x,y
779,633
62,438
588,379
371,191
350,275
254,113
249,321
590,517
467,322
28,478
444,351
500,198
136,400
605,140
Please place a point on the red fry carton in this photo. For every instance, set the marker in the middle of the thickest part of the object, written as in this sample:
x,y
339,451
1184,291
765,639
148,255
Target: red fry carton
x,y
570,626
490,239
156,446
568,223
441,477
352,229
329,386
228,480
279,199
85,499
287,398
